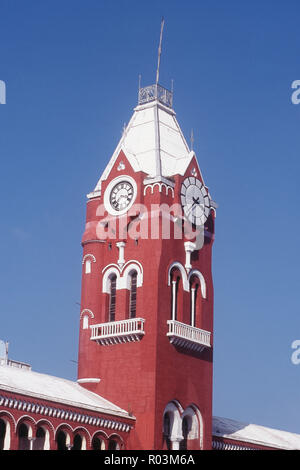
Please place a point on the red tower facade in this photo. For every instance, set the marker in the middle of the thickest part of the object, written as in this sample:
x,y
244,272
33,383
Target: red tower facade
x,y
146,323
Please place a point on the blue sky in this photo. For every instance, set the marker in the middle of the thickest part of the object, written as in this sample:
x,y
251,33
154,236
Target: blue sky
x,y
71,69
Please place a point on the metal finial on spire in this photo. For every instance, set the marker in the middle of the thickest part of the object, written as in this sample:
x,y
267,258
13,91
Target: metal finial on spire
x,y
159,49
6,352
192,139
156,92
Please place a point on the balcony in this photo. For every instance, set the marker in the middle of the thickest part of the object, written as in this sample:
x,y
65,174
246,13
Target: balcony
x,y
187,336
116,332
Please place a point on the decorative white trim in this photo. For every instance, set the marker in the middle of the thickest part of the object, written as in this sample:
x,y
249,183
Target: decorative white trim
x,y
160,185
5,415
121,260
88,380
94,194
99,433
218,445
87,312
123,275
128,268
199,275
185,283
84,315
45,422
106,278
186,279
121,166
159,179
88,255
189,248
46,410
133,262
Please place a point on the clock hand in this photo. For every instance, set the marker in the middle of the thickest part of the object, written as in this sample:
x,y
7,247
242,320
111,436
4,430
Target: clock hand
x,y
191,208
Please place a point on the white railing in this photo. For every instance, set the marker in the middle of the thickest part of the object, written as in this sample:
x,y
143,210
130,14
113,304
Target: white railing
x,y
13,363
122,331
187,336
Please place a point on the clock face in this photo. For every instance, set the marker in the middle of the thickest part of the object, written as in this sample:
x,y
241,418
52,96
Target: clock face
x,y
121,195
195,200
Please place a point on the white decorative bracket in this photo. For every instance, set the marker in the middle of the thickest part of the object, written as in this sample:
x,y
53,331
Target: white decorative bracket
x,y
121,260
189,248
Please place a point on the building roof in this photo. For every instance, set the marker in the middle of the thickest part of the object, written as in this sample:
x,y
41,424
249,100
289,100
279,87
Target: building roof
x,y
152,142
55,389
255,434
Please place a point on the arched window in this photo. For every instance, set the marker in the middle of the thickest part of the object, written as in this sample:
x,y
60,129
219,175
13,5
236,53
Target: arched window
x,y
167,430
77,443
172,426
85,322
194,300
192,429
175,280
61,441
112,298
2,433
133,294
24,443
113,445
98,443
39,442
88,266
186,425
5,435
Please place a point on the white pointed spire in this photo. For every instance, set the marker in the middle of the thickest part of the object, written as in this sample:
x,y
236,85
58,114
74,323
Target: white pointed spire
x,y
152,141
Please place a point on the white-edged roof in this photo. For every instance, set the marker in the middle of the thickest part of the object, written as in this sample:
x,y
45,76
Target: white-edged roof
x,y
55,389
153,143
255,434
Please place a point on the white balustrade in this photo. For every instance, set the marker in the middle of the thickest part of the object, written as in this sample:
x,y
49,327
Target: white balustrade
x,y
188,336
118,331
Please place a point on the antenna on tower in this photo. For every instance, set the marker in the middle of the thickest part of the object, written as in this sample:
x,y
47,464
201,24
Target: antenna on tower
x,y
159,49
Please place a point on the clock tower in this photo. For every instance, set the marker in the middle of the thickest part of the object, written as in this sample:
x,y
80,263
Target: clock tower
x,y
146,321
